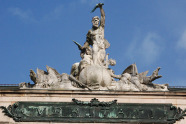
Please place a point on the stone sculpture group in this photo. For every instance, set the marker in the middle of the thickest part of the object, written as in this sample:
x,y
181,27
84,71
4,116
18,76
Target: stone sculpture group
x,y
93,71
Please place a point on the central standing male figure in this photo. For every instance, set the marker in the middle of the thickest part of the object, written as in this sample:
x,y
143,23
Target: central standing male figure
x,y
95,38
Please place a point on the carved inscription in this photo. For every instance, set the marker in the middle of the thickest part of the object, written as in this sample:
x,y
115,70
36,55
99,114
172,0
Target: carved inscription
x,y
98,112
93,111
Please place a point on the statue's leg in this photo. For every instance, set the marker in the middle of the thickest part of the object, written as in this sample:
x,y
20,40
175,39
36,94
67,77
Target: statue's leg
x,y
102,56
95,54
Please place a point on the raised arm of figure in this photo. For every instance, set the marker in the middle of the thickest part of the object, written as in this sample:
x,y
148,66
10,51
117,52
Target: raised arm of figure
x,y
102,22
99,5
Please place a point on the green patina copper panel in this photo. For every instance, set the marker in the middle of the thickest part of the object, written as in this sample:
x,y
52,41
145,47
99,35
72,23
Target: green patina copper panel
x,y
93,111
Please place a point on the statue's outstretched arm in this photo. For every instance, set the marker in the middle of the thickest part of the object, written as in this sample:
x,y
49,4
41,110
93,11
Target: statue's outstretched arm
x,y
99,5
102,23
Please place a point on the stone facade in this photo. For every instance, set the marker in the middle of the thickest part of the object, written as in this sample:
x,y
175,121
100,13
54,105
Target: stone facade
x,y
10,96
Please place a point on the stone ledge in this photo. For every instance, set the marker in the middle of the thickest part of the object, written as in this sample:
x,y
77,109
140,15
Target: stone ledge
x,y
93,92
10,96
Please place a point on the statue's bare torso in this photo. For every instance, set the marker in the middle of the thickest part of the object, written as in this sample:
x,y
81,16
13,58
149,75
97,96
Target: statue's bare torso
x,y
98,46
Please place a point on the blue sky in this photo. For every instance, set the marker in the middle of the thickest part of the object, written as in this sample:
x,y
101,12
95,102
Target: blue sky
x,y
36,33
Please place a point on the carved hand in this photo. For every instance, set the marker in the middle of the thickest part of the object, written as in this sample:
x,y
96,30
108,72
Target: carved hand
x,y
99,5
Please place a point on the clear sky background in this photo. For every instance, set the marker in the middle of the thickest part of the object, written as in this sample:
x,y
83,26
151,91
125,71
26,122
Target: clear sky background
x,y
36,33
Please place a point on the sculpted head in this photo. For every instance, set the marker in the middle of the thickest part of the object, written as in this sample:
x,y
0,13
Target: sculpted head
x,y
112,62
95,21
